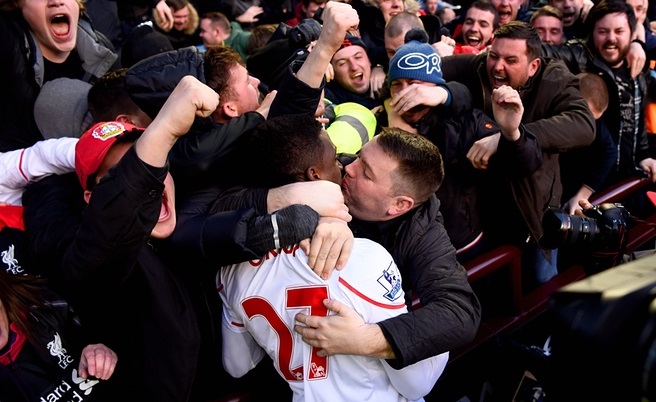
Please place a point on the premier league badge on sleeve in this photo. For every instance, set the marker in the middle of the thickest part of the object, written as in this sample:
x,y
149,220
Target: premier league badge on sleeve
x,y
391,281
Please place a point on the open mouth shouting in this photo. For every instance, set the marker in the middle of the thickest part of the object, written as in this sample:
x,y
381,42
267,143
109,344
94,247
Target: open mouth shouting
x,y
474,40
359,82
611,51
167,218
568,17
505,16
60,26
499,80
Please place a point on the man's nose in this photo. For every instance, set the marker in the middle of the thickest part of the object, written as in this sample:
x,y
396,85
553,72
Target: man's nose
x,y
348,169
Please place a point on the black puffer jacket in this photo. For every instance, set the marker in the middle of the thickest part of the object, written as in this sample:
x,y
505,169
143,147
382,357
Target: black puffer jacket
x,y
203,157
450,312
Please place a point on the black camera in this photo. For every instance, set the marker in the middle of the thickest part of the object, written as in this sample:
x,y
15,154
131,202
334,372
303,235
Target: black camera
x,y
603,229
300,36
597,241
306,31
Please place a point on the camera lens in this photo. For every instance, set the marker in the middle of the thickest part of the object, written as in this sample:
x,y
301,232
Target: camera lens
x,y
561,228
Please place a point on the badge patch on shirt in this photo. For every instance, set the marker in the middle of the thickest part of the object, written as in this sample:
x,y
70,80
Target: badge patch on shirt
x,y
391,281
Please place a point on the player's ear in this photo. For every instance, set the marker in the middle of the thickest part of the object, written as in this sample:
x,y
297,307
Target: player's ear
x,y
312,174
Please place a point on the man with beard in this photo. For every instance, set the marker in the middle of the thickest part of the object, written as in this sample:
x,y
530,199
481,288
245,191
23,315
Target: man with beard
x,y
554,111
605,53
575,13
416,105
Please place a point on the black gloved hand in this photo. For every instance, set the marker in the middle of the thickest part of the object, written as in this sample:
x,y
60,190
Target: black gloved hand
x,y
283,228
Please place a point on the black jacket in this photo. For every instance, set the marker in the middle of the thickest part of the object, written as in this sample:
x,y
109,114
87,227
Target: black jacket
x,y
131,297
111,255
578,57
210,153
48,367
450,312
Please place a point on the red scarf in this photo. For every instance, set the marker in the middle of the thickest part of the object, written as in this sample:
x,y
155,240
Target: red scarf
x,y
14,349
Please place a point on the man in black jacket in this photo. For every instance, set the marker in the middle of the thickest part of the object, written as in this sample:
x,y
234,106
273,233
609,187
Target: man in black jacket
x,y
605,54
390,191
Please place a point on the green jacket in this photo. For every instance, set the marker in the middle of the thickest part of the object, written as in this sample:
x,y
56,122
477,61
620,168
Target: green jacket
x,y
238,40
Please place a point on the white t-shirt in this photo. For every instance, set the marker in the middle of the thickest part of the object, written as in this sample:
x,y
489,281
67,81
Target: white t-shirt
x,y
262,297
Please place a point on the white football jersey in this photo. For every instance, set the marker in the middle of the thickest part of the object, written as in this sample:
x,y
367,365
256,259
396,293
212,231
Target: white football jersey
x,y
262,297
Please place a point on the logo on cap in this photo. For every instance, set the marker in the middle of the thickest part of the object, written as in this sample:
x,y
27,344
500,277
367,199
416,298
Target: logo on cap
x,y
418,61
108,130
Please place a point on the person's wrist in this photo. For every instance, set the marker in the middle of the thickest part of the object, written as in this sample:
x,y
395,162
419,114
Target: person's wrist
x,y
640,42
377,345
512,135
